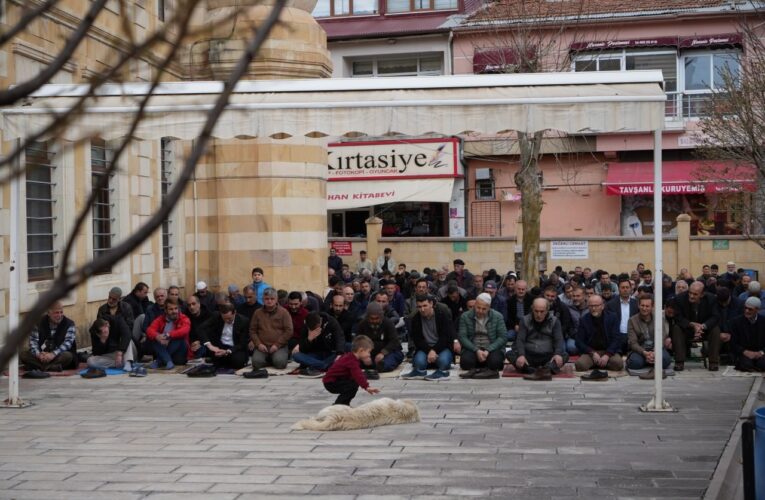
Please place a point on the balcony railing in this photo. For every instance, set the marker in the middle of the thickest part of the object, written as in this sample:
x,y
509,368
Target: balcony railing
x,y
680,106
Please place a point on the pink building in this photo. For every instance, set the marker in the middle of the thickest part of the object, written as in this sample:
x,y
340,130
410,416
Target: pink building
x,y
599,185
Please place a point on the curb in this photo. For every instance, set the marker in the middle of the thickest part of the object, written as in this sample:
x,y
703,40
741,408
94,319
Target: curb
x,y
727,481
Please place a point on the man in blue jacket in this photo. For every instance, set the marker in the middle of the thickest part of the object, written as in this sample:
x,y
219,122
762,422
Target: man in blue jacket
x,y
598,339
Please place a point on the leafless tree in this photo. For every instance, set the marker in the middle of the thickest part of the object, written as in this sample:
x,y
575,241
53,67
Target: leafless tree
x,y
165,43
733,130
530,36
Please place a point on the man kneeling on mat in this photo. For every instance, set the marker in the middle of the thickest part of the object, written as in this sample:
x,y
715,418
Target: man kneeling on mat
x,y
539,348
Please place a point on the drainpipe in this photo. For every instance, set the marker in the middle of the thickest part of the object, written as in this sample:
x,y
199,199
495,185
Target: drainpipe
x,y
450,53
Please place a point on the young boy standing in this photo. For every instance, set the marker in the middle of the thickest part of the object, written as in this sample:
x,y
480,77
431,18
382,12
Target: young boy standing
x,y
345,377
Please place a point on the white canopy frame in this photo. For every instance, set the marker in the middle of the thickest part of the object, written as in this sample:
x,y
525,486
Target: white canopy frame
x,y
574,103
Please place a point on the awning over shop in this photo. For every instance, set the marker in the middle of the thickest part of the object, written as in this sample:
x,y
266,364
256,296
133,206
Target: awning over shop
x,y
341,195
680,177
586,102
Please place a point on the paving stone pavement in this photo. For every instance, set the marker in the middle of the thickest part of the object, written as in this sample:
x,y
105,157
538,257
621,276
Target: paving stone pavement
x,y
173,437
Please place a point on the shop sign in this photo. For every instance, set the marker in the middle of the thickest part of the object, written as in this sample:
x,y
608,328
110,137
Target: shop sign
x,y
642,189
459,246
569,250
690,42
393,160
720,244
343,248
667,41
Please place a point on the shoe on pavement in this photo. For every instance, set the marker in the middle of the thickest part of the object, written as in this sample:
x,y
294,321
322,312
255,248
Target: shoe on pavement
x,y
138,371
310,372
94,373
542,373
650,374
486,374
679,366
35,374
372,374
469,374
713,367
596,376
415,374
438,375
261,373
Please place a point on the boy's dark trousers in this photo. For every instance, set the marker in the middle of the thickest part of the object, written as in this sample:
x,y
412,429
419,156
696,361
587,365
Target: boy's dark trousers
x,y
346,390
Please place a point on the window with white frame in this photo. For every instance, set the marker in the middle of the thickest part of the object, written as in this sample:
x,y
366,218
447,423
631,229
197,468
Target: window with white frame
x,y
334,8
40,211
404,65
689,77
394,6
167,160
703,74
103,211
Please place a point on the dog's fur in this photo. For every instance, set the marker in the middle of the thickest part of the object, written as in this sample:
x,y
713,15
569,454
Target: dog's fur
x,y
382,411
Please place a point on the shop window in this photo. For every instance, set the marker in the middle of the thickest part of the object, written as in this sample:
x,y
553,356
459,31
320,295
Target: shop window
x,y
348,223
40,211
414,219
426,65
332,8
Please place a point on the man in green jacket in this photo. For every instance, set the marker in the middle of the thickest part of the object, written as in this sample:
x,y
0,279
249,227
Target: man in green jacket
x,y
482,336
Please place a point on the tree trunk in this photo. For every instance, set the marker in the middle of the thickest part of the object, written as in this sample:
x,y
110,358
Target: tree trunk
x,y
527,180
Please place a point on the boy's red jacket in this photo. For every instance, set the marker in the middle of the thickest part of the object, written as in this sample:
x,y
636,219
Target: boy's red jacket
x,y
346,367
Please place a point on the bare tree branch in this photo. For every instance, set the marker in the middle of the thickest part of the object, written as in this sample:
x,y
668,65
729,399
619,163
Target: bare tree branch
x,y
68,281
103,180
28,16
13,94
60,121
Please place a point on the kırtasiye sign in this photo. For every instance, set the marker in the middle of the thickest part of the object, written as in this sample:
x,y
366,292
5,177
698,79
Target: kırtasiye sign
x,y
395,160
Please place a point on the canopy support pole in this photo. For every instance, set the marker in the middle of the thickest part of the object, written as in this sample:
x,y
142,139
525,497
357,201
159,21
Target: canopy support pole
x,y
657,403
13,400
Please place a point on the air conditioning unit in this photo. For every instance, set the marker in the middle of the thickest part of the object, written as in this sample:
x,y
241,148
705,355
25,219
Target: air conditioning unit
x,y
483,174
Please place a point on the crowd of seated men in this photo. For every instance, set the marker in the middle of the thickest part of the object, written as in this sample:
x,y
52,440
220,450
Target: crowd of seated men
x,y
603,321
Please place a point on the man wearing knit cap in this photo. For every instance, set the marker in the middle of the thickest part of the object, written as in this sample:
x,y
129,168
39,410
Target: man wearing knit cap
x,y
482,336
747,343
387,353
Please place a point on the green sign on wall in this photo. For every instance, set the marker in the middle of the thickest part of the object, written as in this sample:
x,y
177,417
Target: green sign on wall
x,y
459,246
720,244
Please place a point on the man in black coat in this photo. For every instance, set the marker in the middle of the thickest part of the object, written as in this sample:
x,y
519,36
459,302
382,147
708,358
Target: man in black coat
x,y
433,337
696,318
747,342
226,335
321,341
624,307
138,299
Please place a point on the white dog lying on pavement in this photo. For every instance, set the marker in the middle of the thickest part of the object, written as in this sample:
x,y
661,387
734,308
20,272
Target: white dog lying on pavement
x,y
382,411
